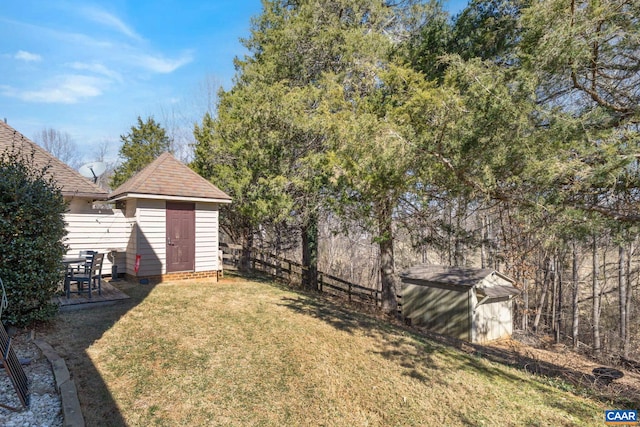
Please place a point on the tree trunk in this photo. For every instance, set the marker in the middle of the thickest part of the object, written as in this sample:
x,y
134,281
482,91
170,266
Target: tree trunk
x,y
576,297
247,244
622,294
310,253
525,299
596,301
558,319
483,241
545,289
554,297
388,278
629,295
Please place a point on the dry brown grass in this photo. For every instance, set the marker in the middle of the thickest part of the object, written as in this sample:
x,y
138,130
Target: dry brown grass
x,y
243,352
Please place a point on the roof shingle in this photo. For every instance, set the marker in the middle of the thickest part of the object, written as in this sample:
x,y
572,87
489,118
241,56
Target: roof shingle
x,y
167,176
70,181
460,276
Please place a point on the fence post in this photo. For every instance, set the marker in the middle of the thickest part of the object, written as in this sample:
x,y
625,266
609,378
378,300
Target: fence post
x,y
252,257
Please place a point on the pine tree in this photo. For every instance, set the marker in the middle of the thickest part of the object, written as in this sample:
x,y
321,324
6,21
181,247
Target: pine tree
x,y
140,147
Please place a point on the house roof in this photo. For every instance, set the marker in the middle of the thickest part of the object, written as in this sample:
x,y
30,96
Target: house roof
x,y
166,177
71,183
458,276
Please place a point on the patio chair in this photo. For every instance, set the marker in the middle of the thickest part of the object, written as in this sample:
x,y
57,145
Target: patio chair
x,y
92,278
84,268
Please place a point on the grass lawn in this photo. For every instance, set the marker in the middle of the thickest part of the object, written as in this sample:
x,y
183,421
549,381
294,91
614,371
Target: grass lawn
x,y
243,352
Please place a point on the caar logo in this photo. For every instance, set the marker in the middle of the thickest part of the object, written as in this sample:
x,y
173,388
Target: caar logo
x,y
621,417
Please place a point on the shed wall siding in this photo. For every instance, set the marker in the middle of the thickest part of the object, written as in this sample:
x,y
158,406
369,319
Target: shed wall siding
x,y
151,237
99,231
493,321
132,245
440,310
206,237
493,280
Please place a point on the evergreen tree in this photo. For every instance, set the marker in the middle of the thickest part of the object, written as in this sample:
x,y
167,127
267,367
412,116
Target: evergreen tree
x,y
308,84
32,229
584,57
141,146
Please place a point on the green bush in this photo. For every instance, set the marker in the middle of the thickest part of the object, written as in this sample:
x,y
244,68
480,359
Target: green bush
x,y
31,231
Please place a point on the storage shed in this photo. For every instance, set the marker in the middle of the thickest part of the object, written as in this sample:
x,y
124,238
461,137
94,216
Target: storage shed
x,y
173,213
467,303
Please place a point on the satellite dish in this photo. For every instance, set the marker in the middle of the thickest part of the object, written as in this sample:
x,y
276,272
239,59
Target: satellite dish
x,y
92,170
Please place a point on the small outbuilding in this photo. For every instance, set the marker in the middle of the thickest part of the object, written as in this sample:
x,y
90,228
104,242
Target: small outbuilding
x,y
471,304
173,213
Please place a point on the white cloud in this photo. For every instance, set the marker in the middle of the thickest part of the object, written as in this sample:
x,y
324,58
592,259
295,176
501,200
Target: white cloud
x,y
105,18
27,56
68,89
97,68
162,65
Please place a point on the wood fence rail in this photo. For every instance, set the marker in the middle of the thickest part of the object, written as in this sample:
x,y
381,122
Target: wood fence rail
x,y
293,272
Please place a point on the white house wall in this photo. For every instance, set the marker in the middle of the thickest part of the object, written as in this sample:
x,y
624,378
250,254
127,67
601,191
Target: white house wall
x,y
99,231
206,237
140,229
78,205
151,237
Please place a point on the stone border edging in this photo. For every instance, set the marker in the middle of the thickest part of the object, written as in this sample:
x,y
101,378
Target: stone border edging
x,y
65,385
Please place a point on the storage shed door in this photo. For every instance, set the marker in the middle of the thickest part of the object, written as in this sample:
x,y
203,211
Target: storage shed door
x,y
181,240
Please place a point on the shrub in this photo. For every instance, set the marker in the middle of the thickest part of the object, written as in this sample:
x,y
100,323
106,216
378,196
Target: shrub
x,y
31,231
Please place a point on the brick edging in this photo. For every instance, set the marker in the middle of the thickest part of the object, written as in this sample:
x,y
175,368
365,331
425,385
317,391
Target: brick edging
x,y
182,275
66,387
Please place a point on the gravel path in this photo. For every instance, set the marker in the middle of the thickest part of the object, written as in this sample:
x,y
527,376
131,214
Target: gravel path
x,y
45,408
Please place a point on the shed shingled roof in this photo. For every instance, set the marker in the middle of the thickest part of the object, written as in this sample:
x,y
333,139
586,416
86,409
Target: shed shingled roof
x,y
459,276
70,181
167,176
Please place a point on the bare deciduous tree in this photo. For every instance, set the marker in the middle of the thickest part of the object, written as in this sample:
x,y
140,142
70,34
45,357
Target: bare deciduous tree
x,y
60,145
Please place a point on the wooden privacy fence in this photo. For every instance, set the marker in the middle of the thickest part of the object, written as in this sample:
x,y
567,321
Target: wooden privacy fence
x,y
293,272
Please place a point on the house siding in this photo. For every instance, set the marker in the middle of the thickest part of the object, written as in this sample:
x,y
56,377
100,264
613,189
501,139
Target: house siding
x,y
99,231
206,237
150,241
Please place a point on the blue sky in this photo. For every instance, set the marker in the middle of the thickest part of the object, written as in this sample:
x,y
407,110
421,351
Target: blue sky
x,y
89,69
